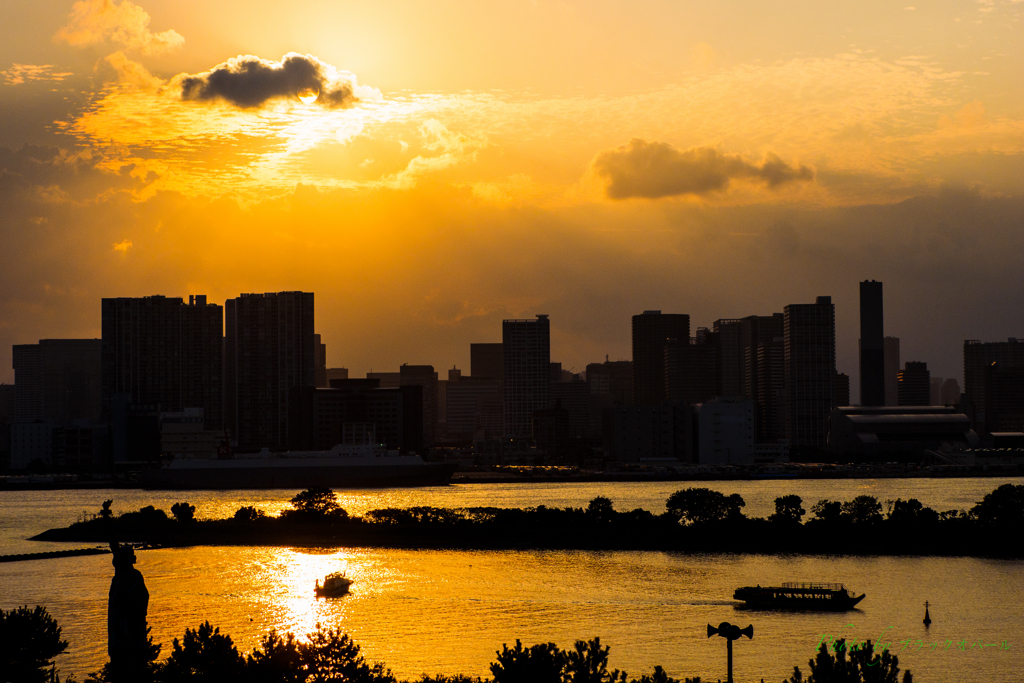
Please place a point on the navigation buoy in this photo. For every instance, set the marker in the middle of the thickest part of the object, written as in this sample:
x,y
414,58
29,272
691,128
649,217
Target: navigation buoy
x,y
927,619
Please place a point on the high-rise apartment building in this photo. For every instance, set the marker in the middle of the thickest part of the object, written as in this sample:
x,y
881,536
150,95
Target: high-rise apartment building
x,y
872,345
1004,398
320,368
842,389
768,398
159,351
269,349
978,357
809,370
950,393
915,384
613,379
526,351
891,363
59,379
423,376
651,331
691,366
486,361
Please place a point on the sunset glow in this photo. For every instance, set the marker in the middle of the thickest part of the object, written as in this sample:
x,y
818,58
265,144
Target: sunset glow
x,y
430,172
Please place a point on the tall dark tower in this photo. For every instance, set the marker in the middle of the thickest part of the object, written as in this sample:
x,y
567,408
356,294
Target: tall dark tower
x,y
872,345
651,331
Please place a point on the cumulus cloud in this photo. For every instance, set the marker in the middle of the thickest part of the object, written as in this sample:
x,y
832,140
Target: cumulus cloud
x,y
247,81
657,169
95,22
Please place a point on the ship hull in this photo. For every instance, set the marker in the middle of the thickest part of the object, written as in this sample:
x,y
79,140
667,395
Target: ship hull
x,y
781,599
298,477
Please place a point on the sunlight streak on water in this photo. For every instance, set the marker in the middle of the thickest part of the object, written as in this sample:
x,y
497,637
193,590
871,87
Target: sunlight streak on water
x,y
449,611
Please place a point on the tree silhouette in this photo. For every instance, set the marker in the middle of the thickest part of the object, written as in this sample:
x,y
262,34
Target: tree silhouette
x,y
701,505
29,641
1002,507
541,663
862,510
600,509
183,512
788,510
318,503
204,654
588,663
249,513
862,666
330,655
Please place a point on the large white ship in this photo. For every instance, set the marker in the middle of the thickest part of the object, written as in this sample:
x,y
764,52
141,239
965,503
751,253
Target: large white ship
x,y
344,466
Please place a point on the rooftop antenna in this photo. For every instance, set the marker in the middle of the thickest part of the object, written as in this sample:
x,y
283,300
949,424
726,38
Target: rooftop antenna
x,y
730,633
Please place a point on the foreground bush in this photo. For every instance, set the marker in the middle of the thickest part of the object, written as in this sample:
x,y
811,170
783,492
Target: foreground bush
x,y
29,641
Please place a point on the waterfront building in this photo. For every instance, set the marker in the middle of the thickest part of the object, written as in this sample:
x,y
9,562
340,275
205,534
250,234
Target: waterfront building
x,y
872,345
726,432
613,379
914,384
891,361
59,379
473,409
320,362
160,351
651,331
652,434
486,361
425,377
842,389
884,433
351,410
809,371
269,349
336,373
526,352
978,358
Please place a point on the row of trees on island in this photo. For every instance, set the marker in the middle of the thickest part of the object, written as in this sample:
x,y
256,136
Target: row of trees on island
x,y
695,519
30,640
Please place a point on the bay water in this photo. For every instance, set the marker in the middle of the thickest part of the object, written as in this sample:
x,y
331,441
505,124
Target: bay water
x,y
431,611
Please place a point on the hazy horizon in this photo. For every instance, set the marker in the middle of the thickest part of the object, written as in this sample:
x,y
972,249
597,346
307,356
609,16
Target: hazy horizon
x,y
468,162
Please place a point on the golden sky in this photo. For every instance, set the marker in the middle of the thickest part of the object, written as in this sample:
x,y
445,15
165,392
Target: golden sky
x,y
428,169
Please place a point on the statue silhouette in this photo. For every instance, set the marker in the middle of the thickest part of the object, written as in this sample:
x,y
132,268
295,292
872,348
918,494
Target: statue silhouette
x,y
127,640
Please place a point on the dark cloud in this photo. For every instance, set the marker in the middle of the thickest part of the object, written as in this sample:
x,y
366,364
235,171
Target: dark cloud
x,y
657,169
248,81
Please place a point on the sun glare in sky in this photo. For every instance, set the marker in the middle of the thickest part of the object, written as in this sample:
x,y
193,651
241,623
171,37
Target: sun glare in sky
x,y
429,172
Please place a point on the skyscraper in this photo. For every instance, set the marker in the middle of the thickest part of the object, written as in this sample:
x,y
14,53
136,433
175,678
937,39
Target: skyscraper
x,y
269,348
891,355
423,376
320,369
915,384
59,379
526,350
978,358
809,370
159,351
650,332
872,345
486,361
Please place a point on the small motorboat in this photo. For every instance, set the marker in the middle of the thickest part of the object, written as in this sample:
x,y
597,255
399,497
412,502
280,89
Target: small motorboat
x,y
334,585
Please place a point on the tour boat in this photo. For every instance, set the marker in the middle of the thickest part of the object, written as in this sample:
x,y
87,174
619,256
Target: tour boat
x,y
334,585
832,597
